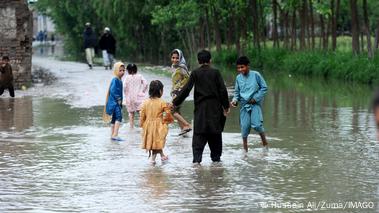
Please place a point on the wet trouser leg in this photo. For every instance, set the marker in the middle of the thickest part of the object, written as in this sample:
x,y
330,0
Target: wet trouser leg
x,y
198,144
252,118
105,58
215,145
214,142
11,91
111,59
90,53
245,122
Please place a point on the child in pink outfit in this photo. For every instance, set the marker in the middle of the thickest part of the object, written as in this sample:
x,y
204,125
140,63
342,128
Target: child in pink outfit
x,y
135,86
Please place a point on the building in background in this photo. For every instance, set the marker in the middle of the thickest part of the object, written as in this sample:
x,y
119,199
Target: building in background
x,y
16,33
41,24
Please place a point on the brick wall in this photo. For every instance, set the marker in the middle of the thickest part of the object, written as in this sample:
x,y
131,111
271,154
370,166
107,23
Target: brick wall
x,y
16,38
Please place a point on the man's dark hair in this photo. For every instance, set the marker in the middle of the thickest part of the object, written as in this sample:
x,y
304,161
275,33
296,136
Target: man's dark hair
x,y
243,60
204,56
155,89
6,58
132,69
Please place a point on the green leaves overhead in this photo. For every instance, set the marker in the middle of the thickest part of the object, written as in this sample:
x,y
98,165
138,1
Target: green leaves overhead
x,y
148,30
180,13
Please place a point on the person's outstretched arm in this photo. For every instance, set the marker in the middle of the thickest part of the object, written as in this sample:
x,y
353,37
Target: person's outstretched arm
x,y
237,95
183,94
167,117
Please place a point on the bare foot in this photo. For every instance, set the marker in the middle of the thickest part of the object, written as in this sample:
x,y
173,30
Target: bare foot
x,y
164,158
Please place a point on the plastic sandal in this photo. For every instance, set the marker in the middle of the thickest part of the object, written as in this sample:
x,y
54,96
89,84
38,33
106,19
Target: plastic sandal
x,y
117,139
184,131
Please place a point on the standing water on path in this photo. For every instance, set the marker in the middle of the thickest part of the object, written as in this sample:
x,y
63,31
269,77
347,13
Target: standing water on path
x,y
55,152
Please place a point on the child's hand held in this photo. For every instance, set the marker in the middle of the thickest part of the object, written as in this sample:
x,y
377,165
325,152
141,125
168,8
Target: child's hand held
x,y
226,112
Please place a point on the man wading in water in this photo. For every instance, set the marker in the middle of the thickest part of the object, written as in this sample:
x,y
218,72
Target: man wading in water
x,y
211,107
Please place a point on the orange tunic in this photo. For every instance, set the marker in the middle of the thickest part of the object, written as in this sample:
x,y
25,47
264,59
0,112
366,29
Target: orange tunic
x,y
155,116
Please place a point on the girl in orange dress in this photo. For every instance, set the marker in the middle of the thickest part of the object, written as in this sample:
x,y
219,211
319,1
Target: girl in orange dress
x,y
155,116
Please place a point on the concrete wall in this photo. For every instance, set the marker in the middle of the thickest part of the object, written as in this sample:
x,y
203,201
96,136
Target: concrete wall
x,y
16,28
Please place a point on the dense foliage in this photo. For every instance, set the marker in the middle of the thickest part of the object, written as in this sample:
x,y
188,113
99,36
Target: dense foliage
x,y
147,30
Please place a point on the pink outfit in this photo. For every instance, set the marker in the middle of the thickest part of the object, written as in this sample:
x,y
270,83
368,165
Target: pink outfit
x,y
135,87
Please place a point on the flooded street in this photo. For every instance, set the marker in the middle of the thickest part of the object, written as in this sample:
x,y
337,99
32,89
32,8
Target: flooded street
x,y
56,154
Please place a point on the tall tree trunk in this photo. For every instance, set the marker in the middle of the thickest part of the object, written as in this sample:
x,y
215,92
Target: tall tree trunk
x,y
238,40
293,26
195,45
191,46
338,5
243,34
286,31
377,35
237,35
281,27
207,29
163,47
354,26
335,14
328,32
191,42
217,29
334,24
322,32
255,23
307,24
262,24
362,44
367,29
184,41
202,34
327,29
275,25
302,24
229,36
312,23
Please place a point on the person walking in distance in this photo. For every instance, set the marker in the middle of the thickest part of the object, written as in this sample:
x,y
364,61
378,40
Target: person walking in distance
x,y
90,42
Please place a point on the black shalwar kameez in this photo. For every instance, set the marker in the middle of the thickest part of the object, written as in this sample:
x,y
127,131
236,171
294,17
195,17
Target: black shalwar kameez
x,y
210,99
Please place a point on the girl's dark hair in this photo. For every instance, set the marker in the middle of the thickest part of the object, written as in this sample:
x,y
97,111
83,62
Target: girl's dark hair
x,y
174,52
155,89
132,69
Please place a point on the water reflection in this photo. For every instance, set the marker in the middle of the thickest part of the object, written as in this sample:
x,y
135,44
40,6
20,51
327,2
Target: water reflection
x,y
157,183
322,147
16,113
211,188
48,49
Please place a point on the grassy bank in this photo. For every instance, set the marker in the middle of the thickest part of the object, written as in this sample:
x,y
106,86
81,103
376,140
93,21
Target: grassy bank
x,y
335,65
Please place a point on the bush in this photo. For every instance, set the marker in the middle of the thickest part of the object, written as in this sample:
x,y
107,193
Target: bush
x,y
225,57
338,65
